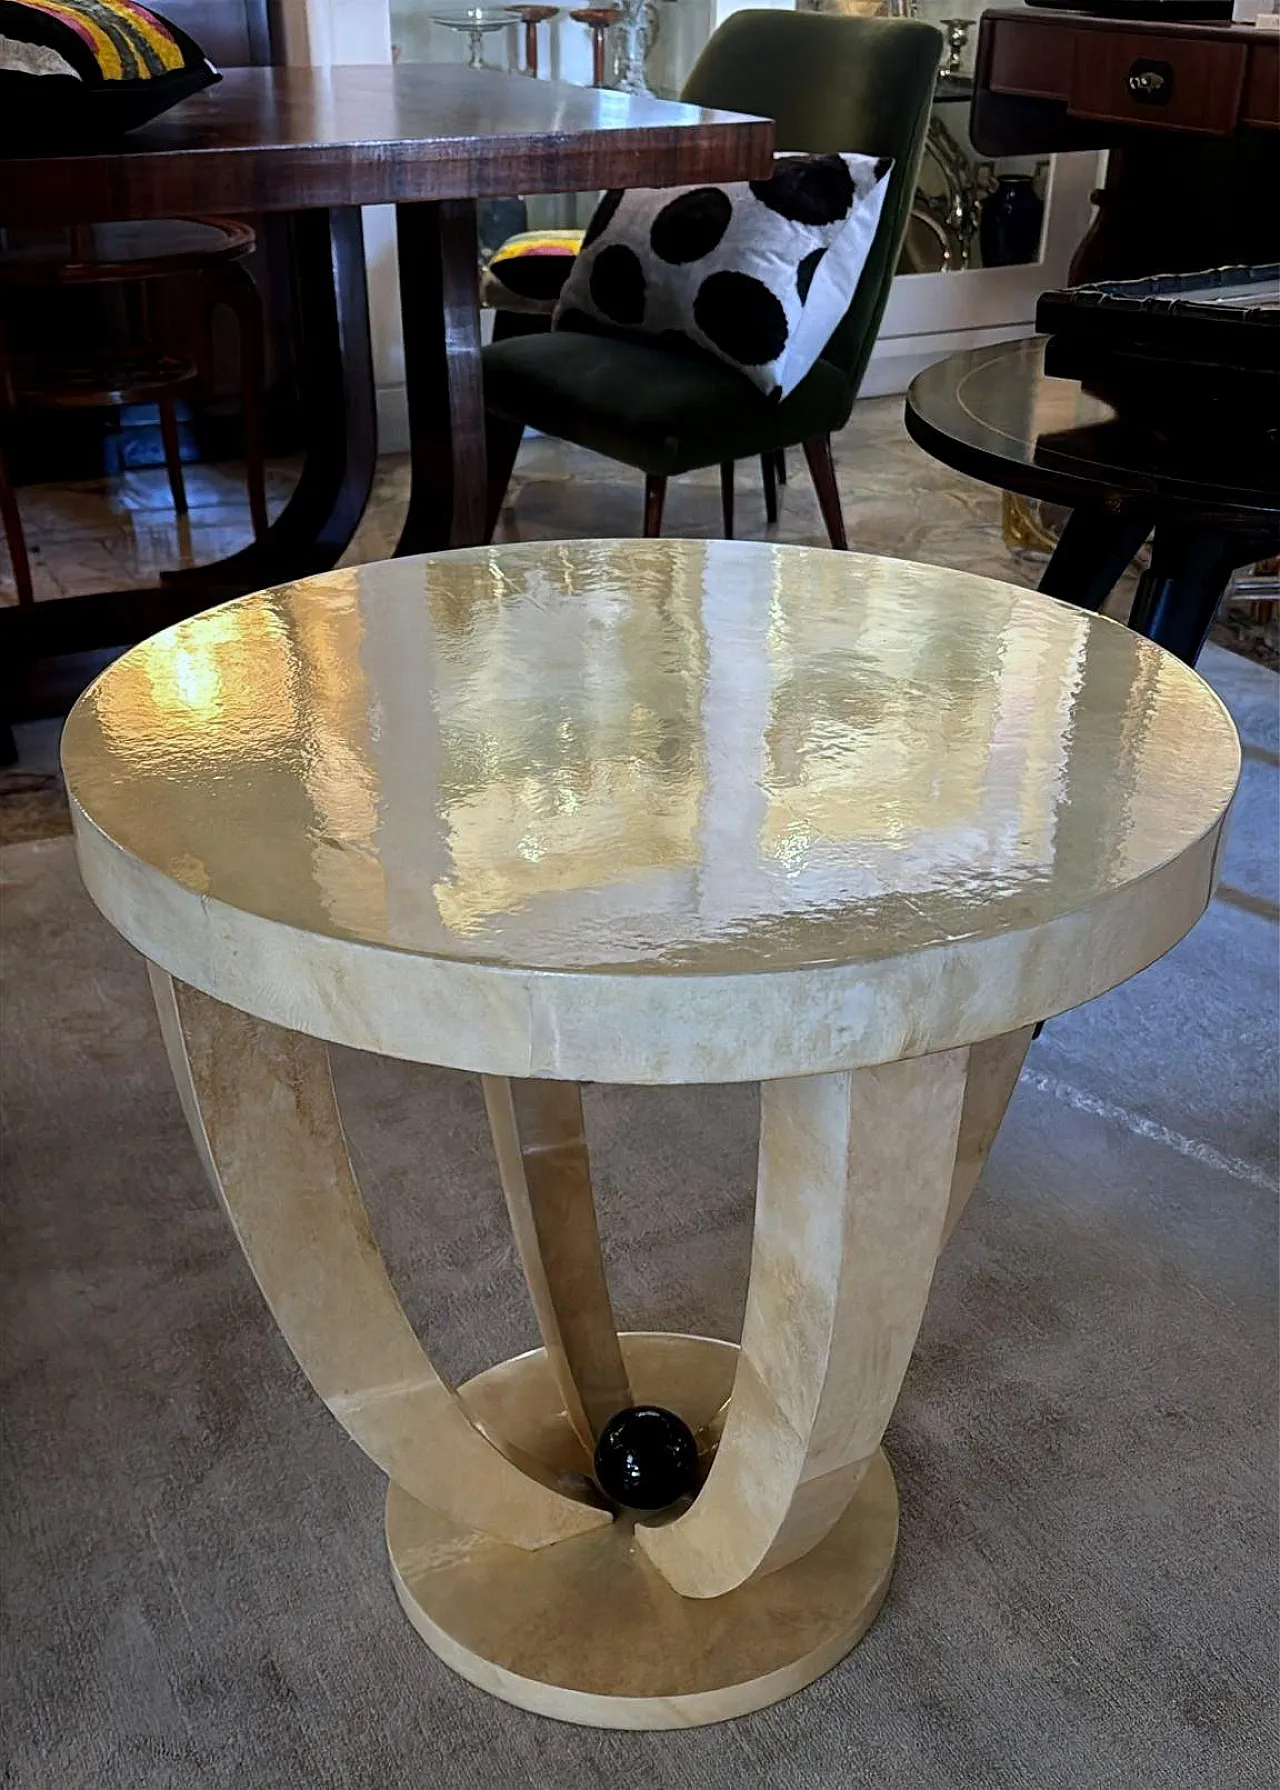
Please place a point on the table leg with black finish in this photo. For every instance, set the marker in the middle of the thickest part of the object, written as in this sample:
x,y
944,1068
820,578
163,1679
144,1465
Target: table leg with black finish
x,y
1096,546
1179,593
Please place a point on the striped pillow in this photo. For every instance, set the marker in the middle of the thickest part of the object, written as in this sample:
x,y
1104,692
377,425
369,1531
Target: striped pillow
x,y
71,69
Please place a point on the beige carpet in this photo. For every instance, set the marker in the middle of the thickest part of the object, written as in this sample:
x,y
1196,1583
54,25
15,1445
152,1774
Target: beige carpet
x,y
192,1571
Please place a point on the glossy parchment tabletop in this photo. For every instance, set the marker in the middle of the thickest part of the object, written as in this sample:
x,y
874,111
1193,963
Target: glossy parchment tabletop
x,y
769,782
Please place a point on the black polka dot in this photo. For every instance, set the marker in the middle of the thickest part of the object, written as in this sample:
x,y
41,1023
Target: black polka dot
x,y
805,272
742,317
883,166
691,226
807,189
602,216
617,284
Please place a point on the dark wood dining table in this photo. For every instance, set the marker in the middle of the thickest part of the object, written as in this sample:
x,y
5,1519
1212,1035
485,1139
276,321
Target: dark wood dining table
x,y
320,143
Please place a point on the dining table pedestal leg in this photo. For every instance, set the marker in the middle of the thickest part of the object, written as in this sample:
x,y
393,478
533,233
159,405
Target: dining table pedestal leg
x,y
444,384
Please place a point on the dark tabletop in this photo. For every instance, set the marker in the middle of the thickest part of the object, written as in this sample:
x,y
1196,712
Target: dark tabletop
x,y
996,415
287,139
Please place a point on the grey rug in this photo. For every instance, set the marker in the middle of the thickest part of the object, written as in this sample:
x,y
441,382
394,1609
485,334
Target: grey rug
x,y
193,1578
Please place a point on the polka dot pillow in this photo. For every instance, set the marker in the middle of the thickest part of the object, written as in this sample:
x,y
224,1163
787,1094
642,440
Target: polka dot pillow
x,y
758,273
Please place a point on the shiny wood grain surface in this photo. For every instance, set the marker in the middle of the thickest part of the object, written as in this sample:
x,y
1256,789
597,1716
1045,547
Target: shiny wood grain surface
x,y
286,139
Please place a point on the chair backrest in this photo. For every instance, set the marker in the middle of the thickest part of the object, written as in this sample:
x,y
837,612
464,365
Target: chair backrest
x,y
834,83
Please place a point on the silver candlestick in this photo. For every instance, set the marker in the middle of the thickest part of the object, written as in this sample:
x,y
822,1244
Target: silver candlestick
x,y
635,35
957,31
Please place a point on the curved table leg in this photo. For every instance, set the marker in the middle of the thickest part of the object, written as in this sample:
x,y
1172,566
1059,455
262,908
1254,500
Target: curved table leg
x,y
994,1068
855,1181
339,415
542,1156
261,1107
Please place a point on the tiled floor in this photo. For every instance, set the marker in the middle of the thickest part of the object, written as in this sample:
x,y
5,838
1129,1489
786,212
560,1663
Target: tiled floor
x,y
106,534
103,534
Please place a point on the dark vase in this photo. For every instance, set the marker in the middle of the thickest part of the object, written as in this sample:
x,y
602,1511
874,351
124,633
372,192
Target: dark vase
x,y
1009,230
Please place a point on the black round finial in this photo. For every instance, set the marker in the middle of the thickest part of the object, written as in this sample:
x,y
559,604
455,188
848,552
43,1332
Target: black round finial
x,y
646,1458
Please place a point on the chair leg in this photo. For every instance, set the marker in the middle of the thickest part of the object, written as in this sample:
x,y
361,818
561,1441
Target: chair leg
x,y
769,473
726,497
655,496
780,462
231,284
502,444
172,451
15,539
822,471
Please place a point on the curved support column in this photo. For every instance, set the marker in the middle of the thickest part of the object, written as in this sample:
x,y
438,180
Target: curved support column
x,y
261,1107
546,1175
994,1068
854,1185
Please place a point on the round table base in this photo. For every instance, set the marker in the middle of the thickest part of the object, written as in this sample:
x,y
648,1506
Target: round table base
x,y
588,1631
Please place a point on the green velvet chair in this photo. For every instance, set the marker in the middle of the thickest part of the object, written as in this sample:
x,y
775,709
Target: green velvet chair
x,y
832,84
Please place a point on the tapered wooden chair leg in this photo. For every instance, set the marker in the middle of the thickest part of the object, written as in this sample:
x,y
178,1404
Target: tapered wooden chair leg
x,y
822,470
172,451
655,497
726,498
769,475
242,296
502,444
15,539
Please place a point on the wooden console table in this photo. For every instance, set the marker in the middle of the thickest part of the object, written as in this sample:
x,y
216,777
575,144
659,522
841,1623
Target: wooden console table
x,y
1191,114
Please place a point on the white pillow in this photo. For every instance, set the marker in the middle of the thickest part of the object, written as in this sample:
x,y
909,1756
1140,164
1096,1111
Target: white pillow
x,y
758,272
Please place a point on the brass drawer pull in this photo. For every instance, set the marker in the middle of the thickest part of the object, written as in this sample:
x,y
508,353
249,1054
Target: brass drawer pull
x,y
1151,83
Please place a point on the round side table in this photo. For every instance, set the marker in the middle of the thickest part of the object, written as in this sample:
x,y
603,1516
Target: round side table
x,y
1211,496
655,812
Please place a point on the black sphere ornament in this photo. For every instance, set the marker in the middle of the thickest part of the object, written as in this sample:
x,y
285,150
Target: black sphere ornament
x,y
646,1458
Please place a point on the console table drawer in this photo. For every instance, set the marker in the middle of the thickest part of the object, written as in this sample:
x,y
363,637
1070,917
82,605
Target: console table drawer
x,y
1196,79
1169,83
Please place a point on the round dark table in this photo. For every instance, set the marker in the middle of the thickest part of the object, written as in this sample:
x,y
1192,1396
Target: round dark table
x,y
1212,497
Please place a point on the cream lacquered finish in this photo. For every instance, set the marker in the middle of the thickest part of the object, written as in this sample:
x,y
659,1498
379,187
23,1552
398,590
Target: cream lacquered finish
x,y
638,811
660,811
